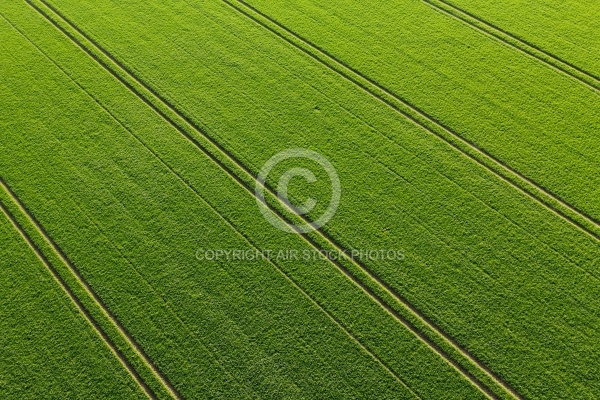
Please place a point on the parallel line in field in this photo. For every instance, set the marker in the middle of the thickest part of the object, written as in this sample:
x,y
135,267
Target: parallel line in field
x,y
65,288
187,123
389,290
534,237
249,241
336,321
92,295
514,178
122,125
75,272
129,262
287,277
524,185
517,43
166,304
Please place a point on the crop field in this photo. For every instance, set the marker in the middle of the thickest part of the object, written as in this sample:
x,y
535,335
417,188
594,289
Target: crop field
x,y
300,199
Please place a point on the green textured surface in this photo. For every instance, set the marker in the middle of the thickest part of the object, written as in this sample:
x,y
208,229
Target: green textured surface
x,y
130,200
48,349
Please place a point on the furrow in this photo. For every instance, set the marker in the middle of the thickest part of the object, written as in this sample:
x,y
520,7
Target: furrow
x,y
517,43
229,163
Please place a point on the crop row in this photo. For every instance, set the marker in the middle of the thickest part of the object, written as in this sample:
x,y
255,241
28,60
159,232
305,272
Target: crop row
x,y
522,111
567,32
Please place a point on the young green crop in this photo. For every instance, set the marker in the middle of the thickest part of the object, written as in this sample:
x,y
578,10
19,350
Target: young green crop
x,y
523,112
483,260
48,349
131,204
568,30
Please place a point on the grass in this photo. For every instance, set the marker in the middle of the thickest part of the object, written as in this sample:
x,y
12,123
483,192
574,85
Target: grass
x,y
135,149
545,131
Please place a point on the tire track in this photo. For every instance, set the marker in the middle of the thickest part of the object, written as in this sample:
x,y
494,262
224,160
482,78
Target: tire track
x,y
514,178
75,272
335,320
166,304
92,295
184,125
287,277
74,299
517,43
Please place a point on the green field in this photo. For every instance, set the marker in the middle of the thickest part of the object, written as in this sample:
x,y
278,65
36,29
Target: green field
x,y
466,140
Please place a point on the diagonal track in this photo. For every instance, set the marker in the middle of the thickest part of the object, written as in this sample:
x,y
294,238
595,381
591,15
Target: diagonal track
x,y
139,352
285,275
408,315
335,320
70,294
172,392
384,365
515,42
514,178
